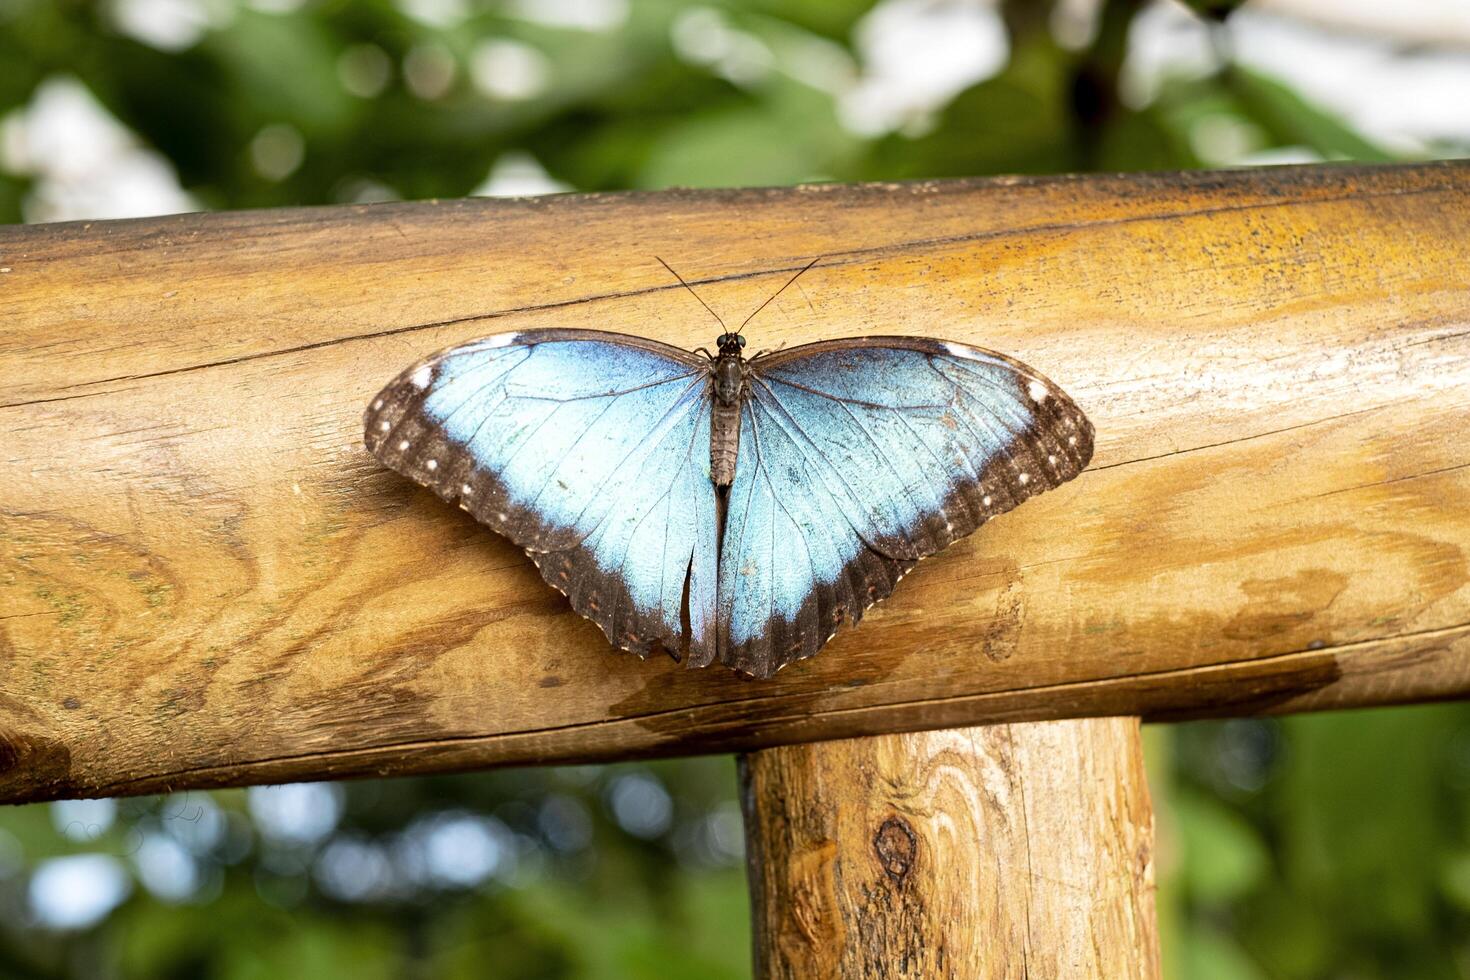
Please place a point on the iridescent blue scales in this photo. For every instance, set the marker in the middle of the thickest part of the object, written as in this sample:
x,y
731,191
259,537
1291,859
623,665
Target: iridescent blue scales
x,y
856,458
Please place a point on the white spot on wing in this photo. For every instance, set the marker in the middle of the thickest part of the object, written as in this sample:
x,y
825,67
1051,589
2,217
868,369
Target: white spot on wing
x,y
1025,478
955,349
421,377
433,465
986,501
501,340
378,405
385,425
1037,391
467,490
1071,440
402,445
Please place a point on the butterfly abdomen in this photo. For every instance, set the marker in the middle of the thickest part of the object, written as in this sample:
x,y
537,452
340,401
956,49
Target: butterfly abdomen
x,y
724,443
724,435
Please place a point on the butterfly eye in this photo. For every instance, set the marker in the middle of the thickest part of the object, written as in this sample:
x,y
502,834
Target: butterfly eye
x,y
740,339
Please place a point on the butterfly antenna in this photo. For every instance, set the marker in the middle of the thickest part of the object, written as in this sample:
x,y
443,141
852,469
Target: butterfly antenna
x,y
693,293
778,292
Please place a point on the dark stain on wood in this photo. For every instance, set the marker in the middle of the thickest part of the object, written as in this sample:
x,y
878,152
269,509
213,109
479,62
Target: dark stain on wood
x,y
31,761
1248,689
1004,632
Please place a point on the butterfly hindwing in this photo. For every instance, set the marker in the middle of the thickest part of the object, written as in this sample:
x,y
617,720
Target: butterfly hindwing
x,y
588,449
859,457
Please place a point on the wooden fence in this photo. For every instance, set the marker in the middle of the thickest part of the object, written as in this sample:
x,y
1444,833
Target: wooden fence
x,y
205,580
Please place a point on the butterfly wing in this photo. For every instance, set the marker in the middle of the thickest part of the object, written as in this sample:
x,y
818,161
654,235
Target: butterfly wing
x,y
588,449
858,457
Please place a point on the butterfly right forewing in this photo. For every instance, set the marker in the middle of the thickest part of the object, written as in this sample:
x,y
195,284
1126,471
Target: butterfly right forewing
x,y
858,458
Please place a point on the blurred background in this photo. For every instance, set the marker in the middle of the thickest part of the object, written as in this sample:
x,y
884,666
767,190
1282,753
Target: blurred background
x,y
1332,846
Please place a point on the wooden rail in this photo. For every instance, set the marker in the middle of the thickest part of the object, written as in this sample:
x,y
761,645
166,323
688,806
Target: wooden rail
x,y
205,580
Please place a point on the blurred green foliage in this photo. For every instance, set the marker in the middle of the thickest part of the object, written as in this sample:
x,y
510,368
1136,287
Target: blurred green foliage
x,y
1326,846
753,95
1317,845
617,871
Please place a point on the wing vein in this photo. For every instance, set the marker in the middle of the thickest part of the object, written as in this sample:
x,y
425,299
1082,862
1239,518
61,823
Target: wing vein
x,y
796,526
838,398
605,394
806,437
887,461
624,462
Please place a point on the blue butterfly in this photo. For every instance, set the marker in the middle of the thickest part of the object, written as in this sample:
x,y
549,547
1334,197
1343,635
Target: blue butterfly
x,y
720,507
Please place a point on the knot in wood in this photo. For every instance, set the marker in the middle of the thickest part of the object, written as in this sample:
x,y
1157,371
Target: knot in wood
x,y
896,845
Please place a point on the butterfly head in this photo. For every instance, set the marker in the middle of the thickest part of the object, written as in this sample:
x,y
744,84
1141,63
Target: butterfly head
x,y
730,343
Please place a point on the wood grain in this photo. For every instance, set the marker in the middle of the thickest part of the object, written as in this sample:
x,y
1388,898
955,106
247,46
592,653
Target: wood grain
x,y
206,580
1018,851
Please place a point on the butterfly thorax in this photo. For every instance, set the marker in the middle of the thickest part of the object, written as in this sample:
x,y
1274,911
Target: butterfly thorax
x,y
728,372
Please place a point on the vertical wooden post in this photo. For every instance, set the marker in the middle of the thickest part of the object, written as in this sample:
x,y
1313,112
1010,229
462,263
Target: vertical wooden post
x,y
1016,851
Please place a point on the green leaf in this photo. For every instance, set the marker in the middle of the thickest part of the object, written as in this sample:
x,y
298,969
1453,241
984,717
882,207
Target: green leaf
x,y
1015,122
321,949
1455,880
1293,121
1287,934
1210,955
1362,835
831,18
1144,141
1224,857
789,137
282,68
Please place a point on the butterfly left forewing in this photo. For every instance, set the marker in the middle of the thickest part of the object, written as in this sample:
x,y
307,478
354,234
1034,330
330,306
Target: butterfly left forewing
x,y
588,449
858,458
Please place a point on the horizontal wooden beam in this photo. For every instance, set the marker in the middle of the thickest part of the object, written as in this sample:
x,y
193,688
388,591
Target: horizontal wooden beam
x,y
205,580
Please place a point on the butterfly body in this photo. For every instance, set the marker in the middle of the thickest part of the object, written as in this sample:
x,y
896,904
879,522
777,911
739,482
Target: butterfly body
x,y
720,507
728,372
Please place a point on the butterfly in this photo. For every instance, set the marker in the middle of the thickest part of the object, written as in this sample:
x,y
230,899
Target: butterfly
x,y
723,507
